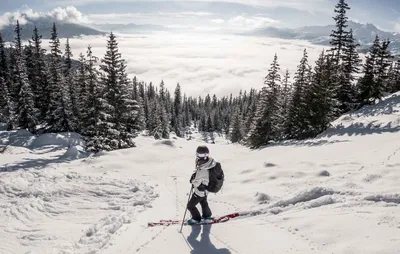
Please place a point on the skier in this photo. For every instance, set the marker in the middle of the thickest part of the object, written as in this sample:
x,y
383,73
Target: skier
x,y
200,181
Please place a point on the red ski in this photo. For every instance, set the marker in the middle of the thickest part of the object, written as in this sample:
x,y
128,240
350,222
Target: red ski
x,y
214,220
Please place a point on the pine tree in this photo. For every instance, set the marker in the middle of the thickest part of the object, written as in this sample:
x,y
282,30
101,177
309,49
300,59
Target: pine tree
x,y
73,93
393,83
297,107
350,66
366,85
339,37
177,114
3,61
264,126
236,134
5,115
209,123
67,58
118,125
81,80
94,101
59,117
141,118
320,98
25,108
383,62
40,78
156,124
29,63
285,97
164,122
135,91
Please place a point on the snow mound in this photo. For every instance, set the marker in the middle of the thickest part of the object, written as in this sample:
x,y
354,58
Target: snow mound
x,y
166,142
65,139
325,200
305,196
384,117
388,198
74,152
23,138
18,150
262,198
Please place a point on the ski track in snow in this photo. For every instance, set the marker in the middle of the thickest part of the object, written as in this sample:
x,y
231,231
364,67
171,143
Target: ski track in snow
x,y
33,199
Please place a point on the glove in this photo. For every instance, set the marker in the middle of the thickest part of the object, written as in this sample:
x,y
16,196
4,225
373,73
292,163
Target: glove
x,y
192,177
202,187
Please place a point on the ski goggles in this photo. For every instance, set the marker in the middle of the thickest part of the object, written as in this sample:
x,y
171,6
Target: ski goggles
x,y
202,156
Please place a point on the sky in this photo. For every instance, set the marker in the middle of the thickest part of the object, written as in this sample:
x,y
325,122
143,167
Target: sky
x,y
246,14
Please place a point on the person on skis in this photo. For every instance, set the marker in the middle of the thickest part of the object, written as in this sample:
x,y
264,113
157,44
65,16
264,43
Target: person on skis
x,y
200,181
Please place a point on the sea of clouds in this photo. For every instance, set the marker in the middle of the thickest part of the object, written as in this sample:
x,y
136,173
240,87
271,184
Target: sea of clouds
x,y
201,64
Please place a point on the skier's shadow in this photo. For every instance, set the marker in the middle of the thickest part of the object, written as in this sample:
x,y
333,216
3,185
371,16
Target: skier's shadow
x,y
204,245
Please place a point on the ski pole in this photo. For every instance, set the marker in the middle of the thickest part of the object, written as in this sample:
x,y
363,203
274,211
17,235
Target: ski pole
x,y
190,194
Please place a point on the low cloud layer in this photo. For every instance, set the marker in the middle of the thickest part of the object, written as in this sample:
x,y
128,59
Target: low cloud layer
x,y
25,15
202,64
252,22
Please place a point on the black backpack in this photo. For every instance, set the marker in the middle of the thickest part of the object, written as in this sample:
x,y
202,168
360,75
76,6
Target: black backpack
x,y
216,178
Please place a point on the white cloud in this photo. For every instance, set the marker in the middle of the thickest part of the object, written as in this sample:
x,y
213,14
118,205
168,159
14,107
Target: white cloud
x,y
153,17
218,64
316,5
397,27
26,14
252,22
218,21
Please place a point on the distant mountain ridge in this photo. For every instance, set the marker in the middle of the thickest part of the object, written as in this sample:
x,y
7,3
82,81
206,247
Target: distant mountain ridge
x,y
64,30
128,28
363,33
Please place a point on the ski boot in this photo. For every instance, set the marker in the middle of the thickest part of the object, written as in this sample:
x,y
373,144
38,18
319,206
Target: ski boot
x,y
206,220
193,222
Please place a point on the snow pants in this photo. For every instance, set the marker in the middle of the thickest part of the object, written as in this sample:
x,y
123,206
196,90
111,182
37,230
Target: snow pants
x,y
191,206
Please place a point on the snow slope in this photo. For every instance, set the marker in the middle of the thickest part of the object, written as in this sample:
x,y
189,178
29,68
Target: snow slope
x,y
338,193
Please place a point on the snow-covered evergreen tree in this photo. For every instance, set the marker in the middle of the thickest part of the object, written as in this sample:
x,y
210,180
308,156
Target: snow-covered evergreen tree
x,y
265,123
25,105
91,92
297,106
4,77
81,81
366,85
346,92
284,100
73,93
141,118
320,98
118,125
393,82
40,77
236,133
177,114
339,36
383,62
59,117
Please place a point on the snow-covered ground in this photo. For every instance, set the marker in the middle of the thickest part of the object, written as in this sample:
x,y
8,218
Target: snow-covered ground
x,y
338,193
